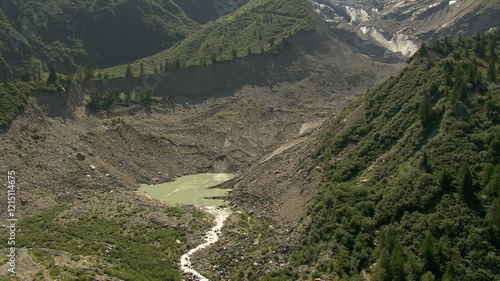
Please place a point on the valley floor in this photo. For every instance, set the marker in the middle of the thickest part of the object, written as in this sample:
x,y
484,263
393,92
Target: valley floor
x,y
91,163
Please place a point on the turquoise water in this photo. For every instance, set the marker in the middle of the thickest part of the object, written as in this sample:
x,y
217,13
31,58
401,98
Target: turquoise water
x,y
189,190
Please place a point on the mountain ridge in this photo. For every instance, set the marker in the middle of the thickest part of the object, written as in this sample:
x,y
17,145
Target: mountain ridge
x,y
71,34
401,26
257,28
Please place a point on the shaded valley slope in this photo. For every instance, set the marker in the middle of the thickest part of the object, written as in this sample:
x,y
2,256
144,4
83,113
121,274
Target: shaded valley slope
x,y
406,177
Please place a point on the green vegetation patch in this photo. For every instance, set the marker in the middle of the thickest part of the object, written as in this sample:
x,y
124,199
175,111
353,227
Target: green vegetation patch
x,y
133,251
14,94
13,98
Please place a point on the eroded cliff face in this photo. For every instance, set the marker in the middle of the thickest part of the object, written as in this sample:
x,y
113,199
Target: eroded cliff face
x,y
223,79
199,83
310,55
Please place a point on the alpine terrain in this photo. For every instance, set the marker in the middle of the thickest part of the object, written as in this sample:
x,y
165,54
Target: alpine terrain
x,y
250,140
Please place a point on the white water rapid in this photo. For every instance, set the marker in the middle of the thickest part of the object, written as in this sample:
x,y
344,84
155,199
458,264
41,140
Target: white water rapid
x,y
212,236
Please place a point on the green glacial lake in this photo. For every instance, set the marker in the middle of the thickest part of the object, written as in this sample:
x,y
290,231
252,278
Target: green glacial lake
x,y
189,190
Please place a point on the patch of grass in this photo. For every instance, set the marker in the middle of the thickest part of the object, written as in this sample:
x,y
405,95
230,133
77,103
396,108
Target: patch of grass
x,y
91,133
226,115
115,123
141,251
175,212
37,136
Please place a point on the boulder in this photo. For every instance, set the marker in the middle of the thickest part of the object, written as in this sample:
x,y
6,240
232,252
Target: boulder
x,y
80,156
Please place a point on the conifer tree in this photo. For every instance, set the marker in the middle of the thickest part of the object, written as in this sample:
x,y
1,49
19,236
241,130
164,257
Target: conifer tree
x,y
88,72
465,181
397,264
492,73
460,87
425,110
472,72
436,45
492,45
128,72
466,52
433,89
428,276
427,252
391,264
480,84
383,266
450,273
461,90
26,76
388,239
449,44
445,180
493,183
448,70
423,51
52,79
493,218
479,45
424,163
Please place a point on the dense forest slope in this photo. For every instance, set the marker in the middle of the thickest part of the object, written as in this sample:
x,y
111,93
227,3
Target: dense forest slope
x,y
411,175
412,183
35,34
